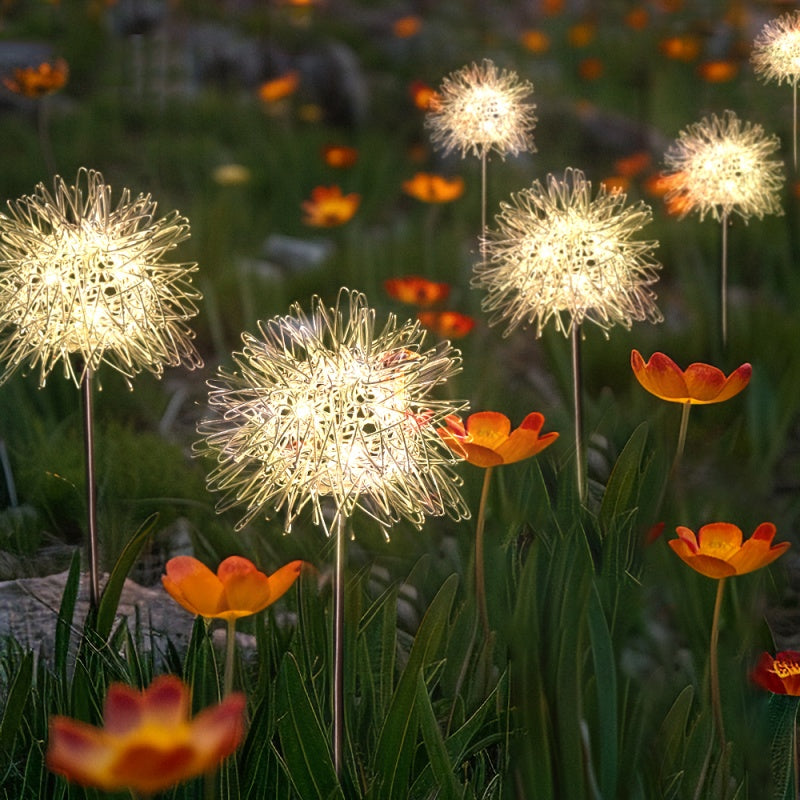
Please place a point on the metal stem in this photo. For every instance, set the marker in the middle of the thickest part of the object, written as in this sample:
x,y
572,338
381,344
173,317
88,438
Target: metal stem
x,y
483,206
91,497
338,646
724,288
580,463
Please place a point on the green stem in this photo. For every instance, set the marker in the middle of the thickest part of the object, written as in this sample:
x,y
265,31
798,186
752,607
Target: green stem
x,y
687,407
716,701
480,571
230,649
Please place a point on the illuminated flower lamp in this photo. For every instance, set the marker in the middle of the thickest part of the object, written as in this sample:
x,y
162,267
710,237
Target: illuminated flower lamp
x,y
717,551
237,589
724,166
480,109
486,440
84,282
559,254
698,384
776,57
326,412
148,741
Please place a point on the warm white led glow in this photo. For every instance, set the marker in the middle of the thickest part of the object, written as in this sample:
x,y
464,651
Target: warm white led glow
x,y
557,253
776,50
79,276
722,165
480,109
322,408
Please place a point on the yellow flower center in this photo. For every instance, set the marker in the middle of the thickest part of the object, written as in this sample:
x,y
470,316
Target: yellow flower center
x,y
785,669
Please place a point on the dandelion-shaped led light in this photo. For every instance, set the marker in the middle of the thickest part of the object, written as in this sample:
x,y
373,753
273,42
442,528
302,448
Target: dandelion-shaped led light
x,y
480,109
560,254
776,57
324,411
83,282
723,166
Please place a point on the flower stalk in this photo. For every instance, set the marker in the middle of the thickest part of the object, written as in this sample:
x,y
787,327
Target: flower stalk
x,y
480,569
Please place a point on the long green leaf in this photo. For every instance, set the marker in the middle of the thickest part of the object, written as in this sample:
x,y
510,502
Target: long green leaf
x,y
109,601
305,747
15,705
606,683
397,740
620,494
443,769
782,712
66,612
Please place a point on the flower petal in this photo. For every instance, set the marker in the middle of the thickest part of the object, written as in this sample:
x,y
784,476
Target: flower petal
x,y
706,565
78,751
758,551
735,382
123,709
193,585
661,376
246,590
488,428
150,767
480,456
217,731
283,579
719,539
704,382
165,702
525,441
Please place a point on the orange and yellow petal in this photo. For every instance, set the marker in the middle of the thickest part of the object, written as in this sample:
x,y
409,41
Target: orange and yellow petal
x,y
447,324
78,751
415,290
149,768
660,376
758,550
246,590
283,579
193,585
524,441
429,187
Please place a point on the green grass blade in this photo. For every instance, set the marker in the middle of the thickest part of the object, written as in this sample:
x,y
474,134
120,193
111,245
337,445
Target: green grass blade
x,y
66,612
18,695
782,712
109,601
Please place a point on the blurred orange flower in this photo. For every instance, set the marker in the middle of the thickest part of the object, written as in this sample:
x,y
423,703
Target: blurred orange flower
x,y
779,675
431,188
634,164
698,384
276,89
637,18
581,34
447,324
416,291
339,156
616,183
590,69
685,47
237,590
717,550
34,82
423,96
147,742
720,71
406,27
328,207
535,40
486,440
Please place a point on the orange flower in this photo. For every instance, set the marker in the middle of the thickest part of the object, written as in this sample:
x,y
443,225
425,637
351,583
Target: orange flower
x,y
339,156
779,675
590,69
430,188
237,590
535,40
416,291
38,81
488,441
406,27
717,550
581,34
634,164
446,324
720,71
698,384
615,183
637,18
680,48
328,207
147,742
424,97
276,89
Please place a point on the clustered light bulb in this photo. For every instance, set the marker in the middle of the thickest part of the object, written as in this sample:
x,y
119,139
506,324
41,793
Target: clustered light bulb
x,y
557,253
776,50
80,276
722,165
322,408
480,109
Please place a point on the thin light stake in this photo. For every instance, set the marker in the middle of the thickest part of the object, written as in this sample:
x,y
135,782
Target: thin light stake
x,y
338,646
91,497
578,404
